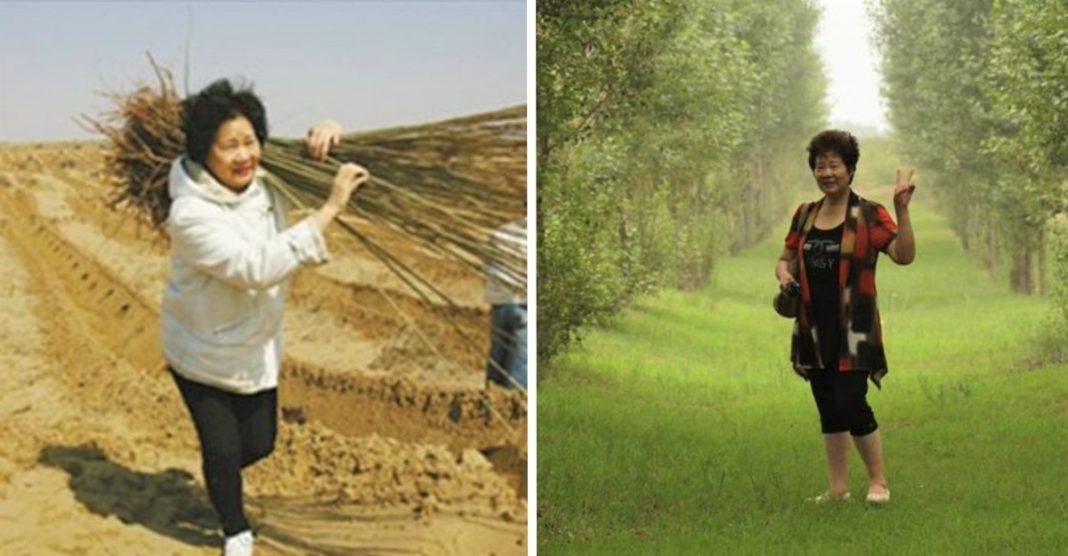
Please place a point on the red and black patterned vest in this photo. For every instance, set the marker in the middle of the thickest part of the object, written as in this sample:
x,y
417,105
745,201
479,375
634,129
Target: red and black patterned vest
x,y
868,230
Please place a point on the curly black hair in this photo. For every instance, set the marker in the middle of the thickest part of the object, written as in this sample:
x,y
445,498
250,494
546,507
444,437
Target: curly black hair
x,y
205,112
836,141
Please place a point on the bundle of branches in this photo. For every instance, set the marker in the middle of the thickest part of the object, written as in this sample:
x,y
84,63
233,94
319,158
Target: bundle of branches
x,y
145,132
443,185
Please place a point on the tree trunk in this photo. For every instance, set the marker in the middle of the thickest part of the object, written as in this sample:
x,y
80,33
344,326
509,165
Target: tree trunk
x,y
992,250
1020,274
966,226
1041,264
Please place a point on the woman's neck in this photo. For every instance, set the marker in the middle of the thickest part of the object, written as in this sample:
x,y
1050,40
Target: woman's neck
x,y
837,201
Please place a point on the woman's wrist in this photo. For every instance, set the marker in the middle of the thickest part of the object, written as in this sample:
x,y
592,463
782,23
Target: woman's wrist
x,y
333,208
781,270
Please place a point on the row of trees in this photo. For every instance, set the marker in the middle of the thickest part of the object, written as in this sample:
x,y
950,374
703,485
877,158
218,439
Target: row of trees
x,y
667,132
978,96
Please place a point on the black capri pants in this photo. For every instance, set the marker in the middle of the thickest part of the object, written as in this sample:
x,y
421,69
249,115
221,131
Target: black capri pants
x,y
841,398
235,431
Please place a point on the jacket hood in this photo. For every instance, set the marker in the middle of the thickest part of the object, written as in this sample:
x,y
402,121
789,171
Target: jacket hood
x,y
188,177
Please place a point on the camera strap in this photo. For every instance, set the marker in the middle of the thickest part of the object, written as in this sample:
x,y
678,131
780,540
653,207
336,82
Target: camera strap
x,y
802,218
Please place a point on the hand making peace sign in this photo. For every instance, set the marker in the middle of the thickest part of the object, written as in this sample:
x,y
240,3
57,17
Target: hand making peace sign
x,y
903,189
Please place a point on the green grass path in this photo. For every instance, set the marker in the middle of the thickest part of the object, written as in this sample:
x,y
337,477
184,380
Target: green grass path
x,y
681,429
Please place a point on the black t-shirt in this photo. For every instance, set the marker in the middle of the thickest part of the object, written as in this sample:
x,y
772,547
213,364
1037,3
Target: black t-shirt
x,y
822,252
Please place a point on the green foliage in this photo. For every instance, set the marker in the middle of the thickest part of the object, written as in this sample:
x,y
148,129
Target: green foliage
x,y
663,128
1058,249
1052,344
977,92
1028,82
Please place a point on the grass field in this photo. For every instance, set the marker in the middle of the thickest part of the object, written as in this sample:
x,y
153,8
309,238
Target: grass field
x,y
681,429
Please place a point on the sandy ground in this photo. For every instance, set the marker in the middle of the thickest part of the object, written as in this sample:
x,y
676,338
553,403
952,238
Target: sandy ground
x,y
389,442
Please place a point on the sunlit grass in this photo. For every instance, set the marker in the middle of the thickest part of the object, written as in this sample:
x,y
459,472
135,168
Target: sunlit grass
x,y
680,428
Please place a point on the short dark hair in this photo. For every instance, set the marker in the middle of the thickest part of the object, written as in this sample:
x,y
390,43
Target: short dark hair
x,y
216,104
836,141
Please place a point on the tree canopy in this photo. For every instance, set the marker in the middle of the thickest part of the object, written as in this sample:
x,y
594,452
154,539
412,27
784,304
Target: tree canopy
x,y
667,134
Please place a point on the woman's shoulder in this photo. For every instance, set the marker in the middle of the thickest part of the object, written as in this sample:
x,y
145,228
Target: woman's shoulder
x,y
875,212
805,206
871,206
191,208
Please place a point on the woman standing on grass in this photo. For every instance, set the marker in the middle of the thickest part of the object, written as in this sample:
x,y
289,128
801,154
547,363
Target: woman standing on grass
x,y
830,253
232,252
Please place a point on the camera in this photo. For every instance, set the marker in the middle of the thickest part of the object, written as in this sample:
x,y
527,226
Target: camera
x,y
788,301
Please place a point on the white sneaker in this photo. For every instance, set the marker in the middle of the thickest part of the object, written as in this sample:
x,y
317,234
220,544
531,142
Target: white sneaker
x,y
239,544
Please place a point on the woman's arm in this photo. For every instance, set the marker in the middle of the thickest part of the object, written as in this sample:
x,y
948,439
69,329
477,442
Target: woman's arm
x,y
903,249
201,235
784,266
348,179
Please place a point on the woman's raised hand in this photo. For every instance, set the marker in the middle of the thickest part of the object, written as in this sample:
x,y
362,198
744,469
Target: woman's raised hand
x,y
903,189
349,177
321,137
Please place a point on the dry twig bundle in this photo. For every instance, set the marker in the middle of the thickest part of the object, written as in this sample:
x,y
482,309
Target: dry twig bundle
x,y
145,132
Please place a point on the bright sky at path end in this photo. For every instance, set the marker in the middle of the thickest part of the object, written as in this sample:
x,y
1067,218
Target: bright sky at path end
x,y
844,40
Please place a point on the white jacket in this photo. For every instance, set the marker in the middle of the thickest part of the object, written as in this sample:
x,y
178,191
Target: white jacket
x,y
506,269
231,254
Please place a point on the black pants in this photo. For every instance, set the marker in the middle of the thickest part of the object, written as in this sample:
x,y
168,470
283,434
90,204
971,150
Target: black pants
x,y
235,431
841,400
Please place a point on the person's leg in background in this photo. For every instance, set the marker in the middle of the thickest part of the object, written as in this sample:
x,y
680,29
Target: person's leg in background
x,y
507,365
499,351
517,355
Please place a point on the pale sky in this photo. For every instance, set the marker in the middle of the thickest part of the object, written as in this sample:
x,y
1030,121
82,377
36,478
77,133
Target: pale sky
x,y
366,64
844,41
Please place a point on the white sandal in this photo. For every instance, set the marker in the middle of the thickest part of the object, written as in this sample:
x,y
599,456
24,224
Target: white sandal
x,y
879,498
828,497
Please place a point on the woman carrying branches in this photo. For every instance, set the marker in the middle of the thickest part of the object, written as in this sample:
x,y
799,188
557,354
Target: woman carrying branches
x,y
829,261
232,252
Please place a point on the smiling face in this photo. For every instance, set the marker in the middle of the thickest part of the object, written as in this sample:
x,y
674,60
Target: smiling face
x,y
831,174
235,154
